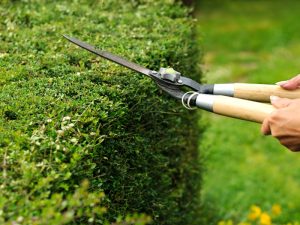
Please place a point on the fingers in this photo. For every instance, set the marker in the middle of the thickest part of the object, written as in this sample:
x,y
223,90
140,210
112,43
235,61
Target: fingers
x,y
265,127
280,102
289,142
277,103
291,84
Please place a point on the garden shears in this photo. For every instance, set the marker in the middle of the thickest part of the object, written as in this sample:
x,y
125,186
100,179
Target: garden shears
x,y
238,100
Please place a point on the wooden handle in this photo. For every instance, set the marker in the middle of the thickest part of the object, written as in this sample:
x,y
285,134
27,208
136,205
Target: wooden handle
x,y
262,92
241,109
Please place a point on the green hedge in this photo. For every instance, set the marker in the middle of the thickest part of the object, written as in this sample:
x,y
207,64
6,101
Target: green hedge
x,y
75,127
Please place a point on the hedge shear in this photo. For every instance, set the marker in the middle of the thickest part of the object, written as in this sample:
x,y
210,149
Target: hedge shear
x,y
237,100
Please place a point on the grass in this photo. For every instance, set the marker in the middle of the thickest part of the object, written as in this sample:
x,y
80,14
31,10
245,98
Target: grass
x,y
255,42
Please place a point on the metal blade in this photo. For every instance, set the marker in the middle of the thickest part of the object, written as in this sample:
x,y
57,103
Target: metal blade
x,y
110,56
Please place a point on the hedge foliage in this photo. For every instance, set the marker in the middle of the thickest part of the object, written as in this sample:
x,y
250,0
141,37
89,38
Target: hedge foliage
x,y
83,140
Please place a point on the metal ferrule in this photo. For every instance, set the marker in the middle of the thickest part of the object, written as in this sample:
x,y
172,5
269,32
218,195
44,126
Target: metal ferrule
x,y
205,102
224,89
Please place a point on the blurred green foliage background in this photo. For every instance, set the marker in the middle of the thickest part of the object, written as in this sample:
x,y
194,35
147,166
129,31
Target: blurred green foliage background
x,y
259,42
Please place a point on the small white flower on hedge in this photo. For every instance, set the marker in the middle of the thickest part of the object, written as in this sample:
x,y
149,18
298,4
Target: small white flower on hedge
x,y
74,140
60,132
66,118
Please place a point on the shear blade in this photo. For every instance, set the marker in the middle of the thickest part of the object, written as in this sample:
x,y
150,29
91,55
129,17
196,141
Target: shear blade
x,y
109,56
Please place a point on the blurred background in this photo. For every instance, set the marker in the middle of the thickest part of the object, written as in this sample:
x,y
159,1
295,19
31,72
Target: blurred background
x,y
255,41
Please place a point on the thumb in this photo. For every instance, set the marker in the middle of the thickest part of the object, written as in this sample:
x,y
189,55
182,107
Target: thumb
x,y
291,84
280,102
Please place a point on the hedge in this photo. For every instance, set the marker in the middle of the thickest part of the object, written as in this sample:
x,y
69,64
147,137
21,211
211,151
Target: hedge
x,y
84,140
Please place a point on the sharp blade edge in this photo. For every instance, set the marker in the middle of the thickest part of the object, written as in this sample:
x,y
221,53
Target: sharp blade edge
x,y
109,56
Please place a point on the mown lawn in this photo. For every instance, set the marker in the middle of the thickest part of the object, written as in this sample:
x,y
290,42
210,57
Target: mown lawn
x,y
257,42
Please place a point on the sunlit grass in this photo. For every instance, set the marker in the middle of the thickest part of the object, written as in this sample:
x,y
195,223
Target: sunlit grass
x,y
257,42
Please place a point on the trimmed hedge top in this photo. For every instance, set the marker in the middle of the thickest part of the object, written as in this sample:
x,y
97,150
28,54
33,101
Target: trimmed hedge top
x,y
82,139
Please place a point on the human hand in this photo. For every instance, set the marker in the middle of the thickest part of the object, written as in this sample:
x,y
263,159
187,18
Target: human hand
x,y
284,123
291,84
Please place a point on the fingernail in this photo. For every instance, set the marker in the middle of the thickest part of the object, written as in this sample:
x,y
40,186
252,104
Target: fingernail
x,y
273,98
281,82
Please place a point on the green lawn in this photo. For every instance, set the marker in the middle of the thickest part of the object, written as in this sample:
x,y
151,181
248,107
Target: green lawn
x,y
257,42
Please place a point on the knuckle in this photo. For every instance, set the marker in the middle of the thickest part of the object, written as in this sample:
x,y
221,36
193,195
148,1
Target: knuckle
x,y
273,117
265,127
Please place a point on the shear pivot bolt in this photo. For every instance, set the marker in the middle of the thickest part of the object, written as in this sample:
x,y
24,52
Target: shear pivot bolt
x,y
169,74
